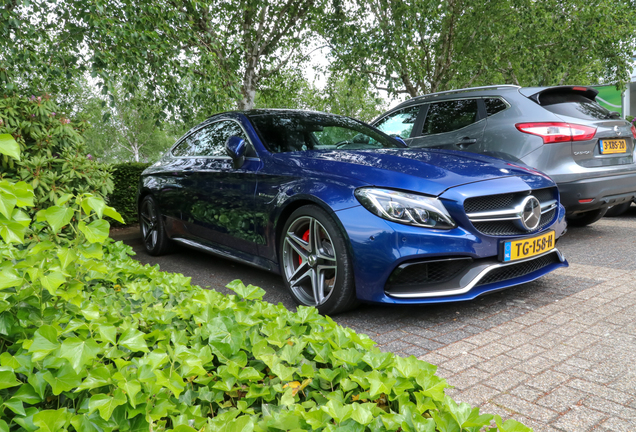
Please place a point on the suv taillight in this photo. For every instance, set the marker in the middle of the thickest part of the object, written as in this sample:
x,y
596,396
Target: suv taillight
x,y
554,132
634,131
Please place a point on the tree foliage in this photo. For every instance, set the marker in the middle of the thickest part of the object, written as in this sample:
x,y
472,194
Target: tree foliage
x,y
343,94
124,127
54,159
187,55
423,46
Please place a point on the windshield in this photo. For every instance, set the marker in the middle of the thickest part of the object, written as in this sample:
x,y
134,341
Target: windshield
x,y
299,131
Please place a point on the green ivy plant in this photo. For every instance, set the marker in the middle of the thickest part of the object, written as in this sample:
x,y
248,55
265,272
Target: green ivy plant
x,y
91,340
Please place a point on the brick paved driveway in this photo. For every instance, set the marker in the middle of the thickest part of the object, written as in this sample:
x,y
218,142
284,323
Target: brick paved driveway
x,y
557,354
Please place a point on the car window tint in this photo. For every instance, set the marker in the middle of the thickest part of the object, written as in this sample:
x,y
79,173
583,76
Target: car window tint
x,y
573,105
449,116
185,148
400,122
494,105
210,141
291,132
334,136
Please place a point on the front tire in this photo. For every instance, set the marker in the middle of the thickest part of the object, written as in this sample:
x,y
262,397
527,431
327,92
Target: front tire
x,y
153,233
586,218
315,262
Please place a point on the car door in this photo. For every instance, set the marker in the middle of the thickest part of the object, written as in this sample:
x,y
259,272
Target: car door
x,y
176,181
401,123
222,207
453,125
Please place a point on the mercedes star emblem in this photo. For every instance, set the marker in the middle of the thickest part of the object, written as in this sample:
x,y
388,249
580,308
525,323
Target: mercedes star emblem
x,y
530,214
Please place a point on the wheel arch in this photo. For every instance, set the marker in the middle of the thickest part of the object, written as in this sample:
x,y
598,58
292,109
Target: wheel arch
x,y
143,193
302,201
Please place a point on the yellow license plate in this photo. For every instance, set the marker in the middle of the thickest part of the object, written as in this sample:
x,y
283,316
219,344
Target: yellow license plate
x,y
611,146
527,248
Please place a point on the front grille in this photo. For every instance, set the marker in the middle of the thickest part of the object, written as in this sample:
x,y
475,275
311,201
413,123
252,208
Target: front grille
x,y
504,202
487,203
502,228
426,273
513,271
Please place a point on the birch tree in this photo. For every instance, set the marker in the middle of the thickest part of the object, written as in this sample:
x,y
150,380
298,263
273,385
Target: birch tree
x,y
423,46
188,55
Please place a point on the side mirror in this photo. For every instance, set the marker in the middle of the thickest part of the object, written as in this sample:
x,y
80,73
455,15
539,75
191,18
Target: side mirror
x,y
235,148
399,139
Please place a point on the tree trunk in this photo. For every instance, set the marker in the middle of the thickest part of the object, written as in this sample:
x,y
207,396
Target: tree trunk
x,y
248,89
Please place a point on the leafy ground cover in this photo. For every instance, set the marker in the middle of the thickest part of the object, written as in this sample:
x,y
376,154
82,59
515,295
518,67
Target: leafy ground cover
x,y
91,340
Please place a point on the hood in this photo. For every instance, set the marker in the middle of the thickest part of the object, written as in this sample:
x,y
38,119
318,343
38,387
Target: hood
x,y
426,171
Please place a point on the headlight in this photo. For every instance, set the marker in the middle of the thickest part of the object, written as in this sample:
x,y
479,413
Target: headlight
x,y
405,208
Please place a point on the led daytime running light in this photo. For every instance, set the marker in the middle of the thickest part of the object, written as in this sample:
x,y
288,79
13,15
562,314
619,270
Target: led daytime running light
x,y
406,208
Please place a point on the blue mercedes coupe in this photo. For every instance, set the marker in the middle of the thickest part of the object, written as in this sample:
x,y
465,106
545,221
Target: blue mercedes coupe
x,y
346,213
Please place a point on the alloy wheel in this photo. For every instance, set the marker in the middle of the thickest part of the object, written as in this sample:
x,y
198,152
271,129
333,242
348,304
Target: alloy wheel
x,y
149,225
309,261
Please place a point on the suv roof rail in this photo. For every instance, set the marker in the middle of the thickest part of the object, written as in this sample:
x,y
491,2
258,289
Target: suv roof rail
x,y
469,89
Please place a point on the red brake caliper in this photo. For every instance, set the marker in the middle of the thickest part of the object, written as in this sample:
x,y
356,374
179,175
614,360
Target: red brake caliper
x,y
305,238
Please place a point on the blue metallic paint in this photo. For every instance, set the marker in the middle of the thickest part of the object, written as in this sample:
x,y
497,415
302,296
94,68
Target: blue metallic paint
x,y
329,179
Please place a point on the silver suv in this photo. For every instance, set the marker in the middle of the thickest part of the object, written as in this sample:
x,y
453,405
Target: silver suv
x,y
586,149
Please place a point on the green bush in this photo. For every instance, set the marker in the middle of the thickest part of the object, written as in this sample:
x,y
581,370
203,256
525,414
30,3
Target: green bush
x,y
124,196
92,340
54,160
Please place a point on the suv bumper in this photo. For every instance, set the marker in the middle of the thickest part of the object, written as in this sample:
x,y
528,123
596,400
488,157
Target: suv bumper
x,y
604,192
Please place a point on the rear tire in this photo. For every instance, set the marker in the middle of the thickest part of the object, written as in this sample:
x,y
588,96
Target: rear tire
x,y
153,233
315,262
618,210
586,218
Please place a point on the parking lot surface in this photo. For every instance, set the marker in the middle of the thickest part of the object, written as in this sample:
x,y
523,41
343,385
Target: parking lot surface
x,y
557,354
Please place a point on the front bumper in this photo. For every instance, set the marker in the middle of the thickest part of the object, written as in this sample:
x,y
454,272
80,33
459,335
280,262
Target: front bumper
x,y
378,247
604,192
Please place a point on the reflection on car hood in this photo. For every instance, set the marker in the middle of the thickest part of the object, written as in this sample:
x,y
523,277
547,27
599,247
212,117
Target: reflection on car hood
x,y
427,171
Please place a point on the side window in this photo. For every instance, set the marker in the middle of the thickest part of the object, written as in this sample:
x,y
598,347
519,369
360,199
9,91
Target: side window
x,y
210,141
400,122
449,116
494,105
185,148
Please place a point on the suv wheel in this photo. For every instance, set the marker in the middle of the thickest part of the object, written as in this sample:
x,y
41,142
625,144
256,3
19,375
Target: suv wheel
x,y
586,218
618,210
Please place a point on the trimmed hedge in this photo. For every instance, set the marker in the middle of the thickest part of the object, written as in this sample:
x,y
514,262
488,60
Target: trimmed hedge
x,y
126,179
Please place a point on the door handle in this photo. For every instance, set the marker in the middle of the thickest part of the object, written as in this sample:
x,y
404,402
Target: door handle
x,y
465,142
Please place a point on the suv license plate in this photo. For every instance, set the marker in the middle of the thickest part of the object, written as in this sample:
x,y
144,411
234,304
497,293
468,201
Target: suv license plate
x,y
611,146
514,250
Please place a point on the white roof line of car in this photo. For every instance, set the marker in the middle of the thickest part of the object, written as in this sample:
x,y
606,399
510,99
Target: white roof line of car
x,y
470,89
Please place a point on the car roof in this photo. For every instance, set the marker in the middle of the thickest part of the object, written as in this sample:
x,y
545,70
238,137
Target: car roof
x,y
474,91
271,111
490,90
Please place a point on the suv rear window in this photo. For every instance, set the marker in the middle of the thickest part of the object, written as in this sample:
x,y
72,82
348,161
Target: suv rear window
x,y
573,105
494,105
